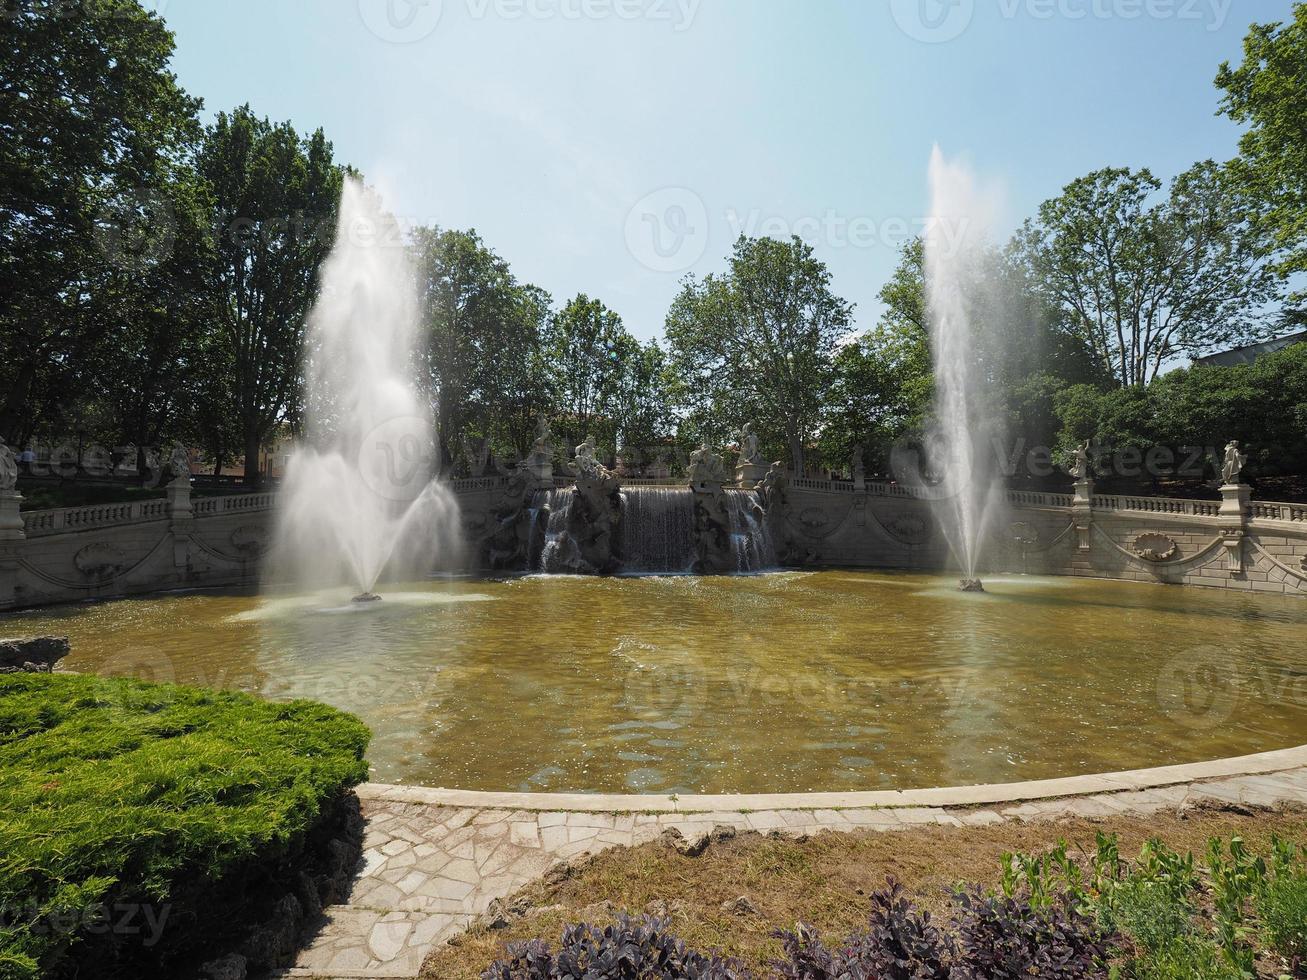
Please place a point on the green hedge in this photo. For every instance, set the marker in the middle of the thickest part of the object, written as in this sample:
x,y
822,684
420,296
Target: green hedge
x,y
117,794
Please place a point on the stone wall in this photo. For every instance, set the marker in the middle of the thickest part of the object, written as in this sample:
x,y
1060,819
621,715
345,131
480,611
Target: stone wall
x,y
112,550
184,542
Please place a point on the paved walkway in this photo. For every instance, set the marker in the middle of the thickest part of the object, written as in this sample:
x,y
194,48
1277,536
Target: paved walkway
x,y
434,860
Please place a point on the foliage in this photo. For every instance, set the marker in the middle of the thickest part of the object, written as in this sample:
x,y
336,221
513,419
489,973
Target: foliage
x,y
756,343
1008,937
630,949
900,943
1143,281
116,792
275,197
1269,93
98,218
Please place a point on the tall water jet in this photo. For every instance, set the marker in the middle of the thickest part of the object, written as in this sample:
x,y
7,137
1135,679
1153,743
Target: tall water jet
x,y
964,428
359,499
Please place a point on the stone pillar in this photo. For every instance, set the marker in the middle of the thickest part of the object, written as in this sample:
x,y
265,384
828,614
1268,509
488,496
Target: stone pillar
x,y
12,538
1082,511
1234,522
181,521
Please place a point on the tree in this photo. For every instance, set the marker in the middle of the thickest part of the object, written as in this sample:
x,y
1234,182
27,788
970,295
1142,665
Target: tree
x,y
275,200
1269,93
93,131
757,343
1143,282
589,352
484,364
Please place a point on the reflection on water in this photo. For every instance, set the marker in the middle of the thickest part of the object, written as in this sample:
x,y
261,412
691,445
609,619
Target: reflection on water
x,y
787,682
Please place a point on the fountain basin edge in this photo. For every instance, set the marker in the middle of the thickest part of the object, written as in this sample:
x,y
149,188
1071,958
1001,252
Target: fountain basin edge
x,y
1258,764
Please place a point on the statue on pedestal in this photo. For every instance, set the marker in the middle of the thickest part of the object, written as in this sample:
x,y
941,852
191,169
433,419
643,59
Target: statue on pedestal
x,y
706,467
859,470
179,465
748,442
1080,464
1234,464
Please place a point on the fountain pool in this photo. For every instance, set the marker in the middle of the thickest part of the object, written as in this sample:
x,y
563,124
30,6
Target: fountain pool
x,y
785,682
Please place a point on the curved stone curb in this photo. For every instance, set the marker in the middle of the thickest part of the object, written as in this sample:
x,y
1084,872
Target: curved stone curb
x,y
434,860
949,796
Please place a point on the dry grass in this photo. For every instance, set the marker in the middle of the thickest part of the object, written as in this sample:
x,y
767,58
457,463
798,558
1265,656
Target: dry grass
x,y
822,880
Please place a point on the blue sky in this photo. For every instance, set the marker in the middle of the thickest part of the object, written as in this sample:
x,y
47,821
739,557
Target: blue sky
x,y
611,146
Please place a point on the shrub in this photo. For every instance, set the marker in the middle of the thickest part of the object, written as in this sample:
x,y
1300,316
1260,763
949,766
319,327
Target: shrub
x,y
630,949
1282,904
1005,937
1188,958
121,794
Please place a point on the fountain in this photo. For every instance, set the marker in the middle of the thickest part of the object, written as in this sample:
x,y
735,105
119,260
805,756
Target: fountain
x,y
954,251
359,500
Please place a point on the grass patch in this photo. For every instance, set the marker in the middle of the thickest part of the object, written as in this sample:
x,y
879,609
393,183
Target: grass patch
x,y
118,794
826,882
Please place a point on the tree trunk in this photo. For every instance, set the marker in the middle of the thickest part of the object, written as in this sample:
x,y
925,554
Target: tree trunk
x,y
796,454
253,476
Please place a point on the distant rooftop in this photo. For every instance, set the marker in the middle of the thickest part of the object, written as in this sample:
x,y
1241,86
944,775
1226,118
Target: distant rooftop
x,y
1246,355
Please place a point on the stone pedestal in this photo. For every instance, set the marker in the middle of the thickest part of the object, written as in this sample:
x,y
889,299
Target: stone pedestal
x,y
11,521
1235,498
181,520
1082,511
748,474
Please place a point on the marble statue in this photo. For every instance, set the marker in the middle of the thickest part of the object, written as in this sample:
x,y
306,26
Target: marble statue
x,y
706,466
1234,463
179,465
8,469
586,462
543,435
1080,466
748,441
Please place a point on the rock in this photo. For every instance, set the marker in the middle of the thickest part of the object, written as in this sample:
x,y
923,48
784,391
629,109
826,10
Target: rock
x,y
32,655
739,906
557,874
722,832
230,967
274,943
501,914
690,847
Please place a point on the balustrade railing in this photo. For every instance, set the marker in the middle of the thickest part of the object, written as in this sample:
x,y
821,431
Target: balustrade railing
x,y
40,522
1157,505
1269,511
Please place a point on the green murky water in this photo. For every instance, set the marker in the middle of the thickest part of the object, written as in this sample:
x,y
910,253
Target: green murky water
x,y
786,682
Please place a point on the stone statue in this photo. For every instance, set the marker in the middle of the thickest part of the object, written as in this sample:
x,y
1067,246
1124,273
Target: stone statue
x,y
1234,463
179,465
1080,466
859,468
706,466
8,469
586,461
748,441
543,434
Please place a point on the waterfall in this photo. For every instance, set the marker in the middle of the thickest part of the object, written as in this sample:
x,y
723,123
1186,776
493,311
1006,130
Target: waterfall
x,y
658,529
555,504
750,538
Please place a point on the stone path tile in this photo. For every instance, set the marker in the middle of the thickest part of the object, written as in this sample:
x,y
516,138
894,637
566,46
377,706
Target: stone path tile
x,y
428,871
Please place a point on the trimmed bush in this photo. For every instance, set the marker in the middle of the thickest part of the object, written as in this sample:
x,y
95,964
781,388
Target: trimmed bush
x,y
136,819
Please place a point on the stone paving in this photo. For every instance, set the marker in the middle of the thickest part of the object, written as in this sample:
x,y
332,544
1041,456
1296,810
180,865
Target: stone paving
x,y
430,869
